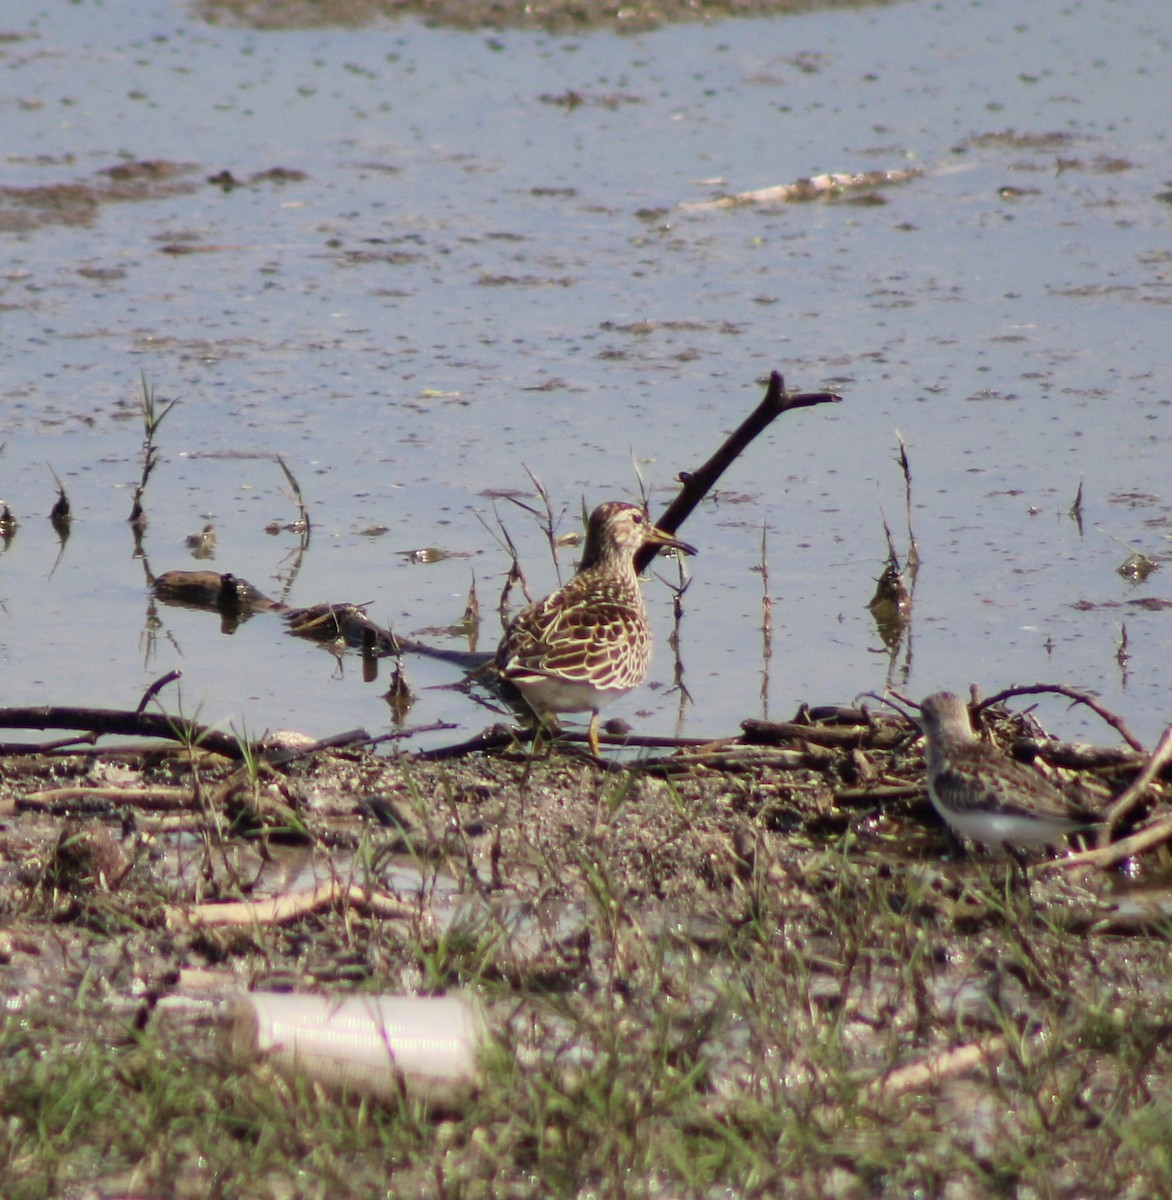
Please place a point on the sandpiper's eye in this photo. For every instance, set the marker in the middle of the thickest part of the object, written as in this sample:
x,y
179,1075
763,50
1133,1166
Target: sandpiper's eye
x,y
638,517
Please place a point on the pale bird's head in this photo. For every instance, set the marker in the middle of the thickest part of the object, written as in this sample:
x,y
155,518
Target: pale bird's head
x,y
617,531
944,714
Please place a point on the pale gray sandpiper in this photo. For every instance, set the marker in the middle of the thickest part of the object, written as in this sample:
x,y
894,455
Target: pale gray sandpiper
x,y
984,795
589,642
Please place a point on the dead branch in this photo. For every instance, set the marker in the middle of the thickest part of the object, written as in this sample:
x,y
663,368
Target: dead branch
x,y
156,688
1076,757
697,484
499,737
737,760
1123,804
125,723
1107,856
102,799
827,186
495,738
1079,697
292,906
212,590
231,596
881,735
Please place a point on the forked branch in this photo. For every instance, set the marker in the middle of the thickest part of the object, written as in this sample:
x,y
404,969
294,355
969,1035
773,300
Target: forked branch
x,y
697,484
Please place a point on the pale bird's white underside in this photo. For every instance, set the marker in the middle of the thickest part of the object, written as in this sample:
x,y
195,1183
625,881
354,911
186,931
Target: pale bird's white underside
x,y
997,826
984,795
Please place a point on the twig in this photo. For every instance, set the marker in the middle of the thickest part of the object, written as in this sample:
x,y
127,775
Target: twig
x,y
644,498
515,575
915,1077
156,688
302,524
471,618
549,524
1126,801
697,484
674,641
280,910
891,604
1116,852
1079,697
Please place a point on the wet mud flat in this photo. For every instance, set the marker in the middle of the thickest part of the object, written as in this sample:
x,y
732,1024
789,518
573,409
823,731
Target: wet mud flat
x,y
758,965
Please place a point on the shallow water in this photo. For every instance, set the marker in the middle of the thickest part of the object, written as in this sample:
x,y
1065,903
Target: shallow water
x,y
477,261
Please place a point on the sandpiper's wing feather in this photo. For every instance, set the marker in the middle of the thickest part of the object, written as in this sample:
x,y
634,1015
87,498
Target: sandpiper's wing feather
x,y
604,642
607,647
968,785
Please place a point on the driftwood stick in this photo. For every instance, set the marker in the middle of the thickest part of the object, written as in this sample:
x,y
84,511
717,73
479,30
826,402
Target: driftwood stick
x,y
1076,756
124,722
165,799
883,735
930,1072
292,906
697,484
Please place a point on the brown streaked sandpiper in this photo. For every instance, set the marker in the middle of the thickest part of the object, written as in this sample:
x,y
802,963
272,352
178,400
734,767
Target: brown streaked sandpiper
x,y
589,642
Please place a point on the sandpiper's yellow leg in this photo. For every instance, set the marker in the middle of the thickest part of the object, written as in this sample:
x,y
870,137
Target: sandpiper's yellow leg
x,y
592,735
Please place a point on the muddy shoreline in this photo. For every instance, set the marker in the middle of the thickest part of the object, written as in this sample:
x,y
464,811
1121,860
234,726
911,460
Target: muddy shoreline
x,y
697,935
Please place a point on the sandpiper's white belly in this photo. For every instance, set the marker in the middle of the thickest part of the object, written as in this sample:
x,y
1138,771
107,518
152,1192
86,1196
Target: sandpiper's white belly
x,y
1003,828
550,694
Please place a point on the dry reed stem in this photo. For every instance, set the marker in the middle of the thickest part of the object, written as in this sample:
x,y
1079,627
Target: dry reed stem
x,y
292,906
